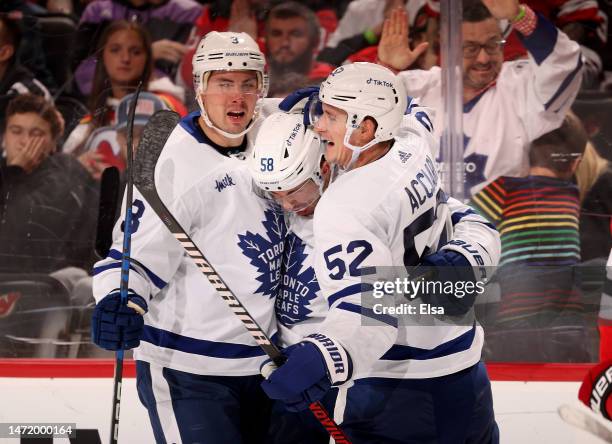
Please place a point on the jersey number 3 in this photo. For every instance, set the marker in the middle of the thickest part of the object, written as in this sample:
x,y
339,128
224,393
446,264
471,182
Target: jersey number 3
x,y
136,215
337,266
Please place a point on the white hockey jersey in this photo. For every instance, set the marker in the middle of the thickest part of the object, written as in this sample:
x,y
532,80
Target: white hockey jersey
x,y
303,304
529,99
188,326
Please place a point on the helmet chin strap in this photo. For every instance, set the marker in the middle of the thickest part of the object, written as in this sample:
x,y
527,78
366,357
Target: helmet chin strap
x,y
356,150
219,130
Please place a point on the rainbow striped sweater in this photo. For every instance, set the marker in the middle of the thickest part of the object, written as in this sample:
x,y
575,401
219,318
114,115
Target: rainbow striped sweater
x,y
538,221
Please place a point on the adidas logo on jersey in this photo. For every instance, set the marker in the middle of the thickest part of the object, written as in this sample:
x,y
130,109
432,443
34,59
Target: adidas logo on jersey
x,y
404,156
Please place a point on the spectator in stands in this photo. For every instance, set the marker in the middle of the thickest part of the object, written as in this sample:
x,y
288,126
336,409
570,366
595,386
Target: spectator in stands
x,y
116,155
583,21
47,200
594,109
148,104
541,312
356,38
594,178
364,15
522,99
124,59
285,85
247,16
292,37
14,78
30,54
168,22
60,6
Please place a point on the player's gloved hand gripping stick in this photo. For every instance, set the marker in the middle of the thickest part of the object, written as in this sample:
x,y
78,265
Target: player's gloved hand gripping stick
x,y
153,140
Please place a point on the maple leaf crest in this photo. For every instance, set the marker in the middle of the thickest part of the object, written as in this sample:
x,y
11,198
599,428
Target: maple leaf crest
x,y
475,165
266,252
299,286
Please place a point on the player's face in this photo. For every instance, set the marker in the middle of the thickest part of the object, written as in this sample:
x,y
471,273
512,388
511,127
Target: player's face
x,y
482,53
331,126
230,99
27,132
287,38
301,200
124,57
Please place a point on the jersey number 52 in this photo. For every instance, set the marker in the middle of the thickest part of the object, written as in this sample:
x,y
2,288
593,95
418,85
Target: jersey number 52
x,y
360,249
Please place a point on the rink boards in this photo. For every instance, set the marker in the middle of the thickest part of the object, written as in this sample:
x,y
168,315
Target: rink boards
x,y
526,398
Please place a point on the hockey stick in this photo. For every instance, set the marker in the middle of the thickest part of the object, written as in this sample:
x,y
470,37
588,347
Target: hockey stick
x,y
154,139
125,264
579,415
107,209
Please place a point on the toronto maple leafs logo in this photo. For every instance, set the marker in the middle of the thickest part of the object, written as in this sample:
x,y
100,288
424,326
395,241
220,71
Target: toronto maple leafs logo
x,y
266,252
299,285
474,165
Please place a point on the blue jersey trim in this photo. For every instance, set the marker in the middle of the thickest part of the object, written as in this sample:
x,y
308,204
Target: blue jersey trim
x,y
417,383
411,104
387,319
458,215
203,347
349,291
190,124
404,352
102,268
157,281
467,107
541,42
566,82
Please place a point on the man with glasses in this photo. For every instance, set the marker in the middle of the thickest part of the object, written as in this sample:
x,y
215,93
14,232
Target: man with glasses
x,y
506,105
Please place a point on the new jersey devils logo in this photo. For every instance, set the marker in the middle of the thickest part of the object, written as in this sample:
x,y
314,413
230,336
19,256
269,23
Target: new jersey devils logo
x,y
8,302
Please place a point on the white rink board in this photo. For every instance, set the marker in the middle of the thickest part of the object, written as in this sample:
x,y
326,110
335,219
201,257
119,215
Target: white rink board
x,y
525,411
84,401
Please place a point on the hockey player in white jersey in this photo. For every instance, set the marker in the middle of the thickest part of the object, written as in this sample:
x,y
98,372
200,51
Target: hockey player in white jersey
x,y
197,365
388,207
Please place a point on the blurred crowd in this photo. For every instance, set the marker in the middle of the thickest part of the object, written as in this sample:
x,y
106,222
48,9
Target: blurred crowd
x,y
69,68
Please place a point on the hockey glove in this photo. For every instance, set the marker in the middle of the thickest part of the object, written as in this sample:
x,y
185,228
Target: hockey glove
x,y
311,95
448,266
117,326
313,366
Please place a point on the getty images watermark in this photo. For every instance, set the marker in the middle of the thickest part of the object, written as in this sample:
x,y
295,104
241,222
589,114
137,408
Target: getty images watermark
x,y
443,292
423,295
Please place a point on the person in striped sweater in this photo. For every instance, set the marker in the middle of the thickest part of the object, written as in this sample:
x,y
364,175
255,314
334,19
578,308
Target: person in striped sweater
x,y
540,316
